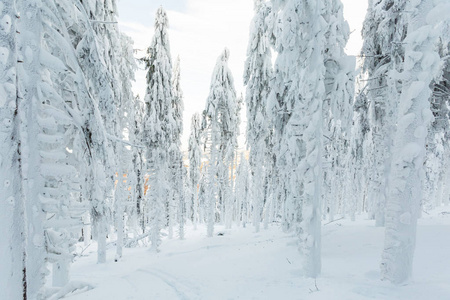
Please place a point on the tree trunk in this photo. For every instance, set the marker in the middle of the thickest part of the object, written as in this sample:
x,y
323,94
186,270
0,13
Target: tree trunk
x,y
403,205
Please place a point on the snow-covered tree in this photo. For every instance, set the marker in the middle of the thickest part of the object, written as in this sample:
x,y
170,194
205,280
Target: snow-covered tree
x,y
100,85
60,132
220,122
339,88
125,109
243,192
295,105
177,169
11,207
383,33
195,164
360,142
161,128
438,140
257,76
422,66
59,139
138,162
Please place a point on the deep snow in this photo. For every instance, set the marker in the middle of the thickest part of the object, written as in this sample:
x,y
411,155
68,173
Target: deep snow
x,y
242,264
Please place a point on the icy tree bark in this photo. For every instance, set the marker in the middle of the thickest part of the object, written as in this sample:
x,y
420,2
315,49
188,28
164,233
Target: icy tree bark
x,y
422,65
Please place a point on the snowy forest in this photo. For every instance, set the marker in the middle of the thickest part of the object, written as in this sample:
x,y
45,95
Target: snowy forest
x,y
95,183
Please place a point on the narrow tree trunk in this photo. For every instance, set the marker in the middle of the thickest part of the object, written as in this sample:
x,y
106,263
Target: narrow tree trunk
x,y
86,229
101,240
211,192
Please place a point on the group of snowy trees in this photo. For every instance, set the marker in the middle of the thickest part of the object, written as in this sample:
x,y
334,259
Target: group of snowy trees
x,y
81,157
66,102
317,150
406,43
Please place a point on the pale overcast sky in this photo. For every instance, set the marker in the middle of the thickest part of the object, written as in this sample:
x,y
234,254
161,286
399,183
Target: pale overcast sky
x,y
199,31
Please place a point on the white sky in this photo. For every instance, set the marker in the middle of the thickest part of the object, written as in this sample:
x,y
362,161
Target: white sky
x,y
199,31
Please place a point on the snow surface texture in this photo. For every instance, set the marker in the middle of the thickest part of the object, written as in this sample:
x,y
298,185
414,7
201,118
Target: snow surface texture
x,y
241,264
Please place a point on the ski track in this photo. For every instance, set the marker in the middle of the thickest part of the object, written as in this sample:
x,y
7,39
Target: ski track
x,y
168,280
209,247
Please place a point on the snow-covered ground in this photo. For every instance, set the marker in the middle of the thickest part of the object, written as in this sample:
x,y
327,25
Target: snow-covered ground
x,y
241,264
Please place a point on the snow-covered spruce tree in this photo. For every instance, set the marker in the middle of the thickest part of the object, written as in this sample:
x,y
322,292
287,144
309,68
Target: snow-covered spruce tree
x,y
435,163
438,140
219,125
279,108
56,115
258,72
161,126
357,162
103,23
383,32
272,207
125,67
295,104
243,191
339,88
107,57
195,164
231,215
138,162
202,195
62,140
177,205
29,77
11,199
99,82
421,67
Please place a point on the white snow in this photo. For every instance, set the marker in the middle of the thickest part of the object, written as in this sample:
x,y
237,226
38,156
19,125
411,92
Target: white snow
x,y
438,13
7,122
3,95
415,89
5,24
410,151
420,132
10,200
242,264
4,54
405,218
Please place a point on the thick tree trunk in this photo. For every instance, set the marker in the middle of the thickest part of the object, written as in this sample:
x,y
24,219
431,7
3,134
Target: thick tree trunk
x,y
403,205
12,274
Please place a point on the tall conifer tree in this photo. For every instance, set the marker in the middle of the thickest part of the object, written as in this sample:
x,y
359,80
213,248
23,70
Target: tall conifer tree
x,y
161,128
257,76
220,122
